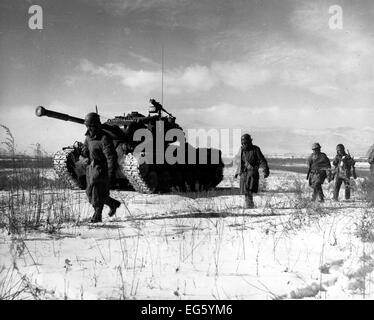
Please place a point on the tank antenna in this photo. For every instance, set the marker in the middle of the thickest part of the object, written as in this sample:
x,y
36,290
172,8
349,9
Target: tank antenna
x,y
162,76
96,109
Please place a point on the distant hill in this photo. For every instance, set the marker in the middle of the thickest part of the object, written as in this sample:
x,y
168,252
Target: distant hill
x,y
283,142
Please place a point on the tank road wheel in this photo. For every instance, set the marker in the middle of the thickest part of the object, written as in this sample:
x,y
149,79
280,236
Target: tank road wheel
x,y
137,174
179,181
166,181
152,180
197,186
64,166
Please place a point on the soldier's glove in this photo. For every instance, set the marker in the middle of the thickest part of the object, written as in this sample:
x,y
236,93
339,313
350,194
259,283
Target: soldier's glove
x,y
236,175
78,148
266,173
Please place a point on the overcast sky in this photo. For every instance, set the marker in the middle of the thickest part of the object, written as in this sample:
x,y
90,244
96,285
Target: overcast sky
x,y
273,68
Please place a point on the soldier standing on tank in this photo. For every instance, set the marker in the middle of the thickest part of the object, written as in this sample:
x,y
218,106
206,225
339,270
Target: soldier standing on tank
x,y
319,165
100,174
251,158
344,170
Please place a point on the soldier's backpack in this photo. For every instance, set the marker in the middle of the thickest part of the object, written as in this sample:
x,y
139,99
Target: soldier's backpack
x,y
371,155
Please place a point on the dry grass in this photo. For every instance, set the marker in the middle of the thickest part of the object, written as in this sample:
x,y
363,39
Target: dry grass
x,y
31,201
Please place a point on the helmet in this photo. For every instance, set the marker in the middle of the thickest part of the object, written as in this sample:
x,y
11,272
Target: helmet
x,y
246,137
340,147
92,118
316,145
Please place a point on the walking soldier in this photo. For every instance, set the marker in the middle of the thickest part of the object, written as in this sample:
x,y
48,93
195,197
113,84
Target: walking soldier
x,y
319,165
344,170
251,159
370,155
100,174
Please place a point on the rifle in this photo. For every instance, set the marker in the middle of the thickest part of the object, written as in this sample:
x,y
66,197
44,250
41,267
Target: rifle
x,y
354,175
331,173
308,174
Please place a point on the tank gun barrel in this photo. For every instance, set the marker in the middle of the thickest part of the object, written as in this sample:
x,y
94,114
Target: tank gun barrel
x,y
41,111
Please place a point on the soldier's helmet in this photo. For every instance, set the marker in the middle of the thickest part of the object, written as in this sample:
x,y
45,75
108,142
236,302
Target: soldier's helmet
x,y
246,137
92,118
340,147
315,146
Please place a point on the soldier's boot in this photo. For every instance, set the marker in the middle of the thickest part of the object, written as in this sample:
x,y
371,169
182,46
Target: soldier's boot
x,y
337,186
249,204
97,217
347,193
321,198
113,205
314,195
336,195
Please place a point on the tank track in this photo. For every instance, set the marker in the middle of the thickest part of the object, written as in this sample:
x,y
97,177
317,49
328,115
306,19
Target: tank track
x,y
63,164
131,169
145,178
140,176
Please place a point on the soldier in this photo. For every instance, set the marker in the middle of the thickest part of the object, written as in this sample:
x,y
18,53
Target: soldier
x,y
344,170
100,174
318,164
370,155
251,158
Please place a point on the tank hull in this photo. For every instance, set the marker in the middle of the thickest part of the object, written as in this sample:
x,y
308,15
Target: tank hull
x,y
132,174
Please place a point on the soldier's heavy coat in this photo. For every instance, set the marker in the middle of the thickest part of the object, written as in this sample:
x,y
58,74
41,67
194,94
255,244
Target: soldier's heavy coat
x,y
101,169
370,156
344,164
250,161
317,163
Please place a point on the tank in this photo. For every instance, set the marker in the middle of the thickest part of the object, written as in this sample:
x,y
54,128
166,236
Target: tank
x,y
153,175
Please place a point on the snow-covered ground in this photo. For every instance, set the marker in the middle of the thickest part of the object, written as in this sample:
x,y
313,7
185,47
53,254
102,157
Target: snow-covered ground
x,y
200,246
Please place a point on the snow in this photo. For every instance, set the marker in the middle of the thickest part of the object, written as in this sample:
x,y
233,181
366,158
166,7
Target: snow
x,y
201,246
